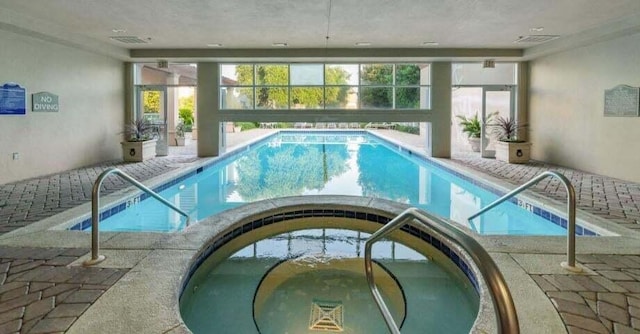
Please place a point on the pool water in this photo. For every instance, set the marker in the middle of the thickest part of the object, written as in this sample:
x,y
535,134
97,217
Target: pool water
x,y
299,163
313,280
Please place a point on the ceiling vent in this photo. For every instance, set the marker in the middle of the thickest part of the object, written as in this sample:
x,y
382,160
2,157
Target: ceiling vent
x,y
130,39
535,38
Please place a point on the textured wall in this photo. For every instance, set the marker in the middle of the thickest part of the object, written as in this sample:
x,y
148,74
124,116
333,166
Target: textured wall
x,y
567,126
88,127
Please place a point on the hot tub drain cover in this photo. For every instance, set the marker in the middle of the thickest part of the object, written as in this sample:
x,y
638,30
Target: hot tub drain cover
x,y
326,316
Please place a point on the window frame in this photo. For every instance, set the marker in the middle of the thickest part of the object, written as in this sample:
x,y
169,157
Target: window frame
x,y
358,87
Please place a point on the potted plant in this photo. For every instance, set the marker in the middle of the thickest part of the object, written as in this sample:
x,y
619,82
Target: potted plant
x,y
180,129
139,144
509,148
471,126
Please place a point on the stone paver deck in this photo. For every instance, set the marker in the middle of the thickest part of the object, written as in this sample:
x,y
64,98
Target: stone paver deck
x,y
25,202
608,302
40,293
613,199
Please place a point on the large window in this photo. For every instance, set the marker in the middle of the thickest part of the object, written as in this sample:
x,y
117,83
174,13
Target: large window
x,y
325,86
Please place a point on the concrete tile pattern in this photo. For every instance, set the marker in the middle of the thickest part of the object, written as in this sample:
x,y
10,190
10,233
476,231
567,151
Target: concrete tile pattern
x,y
613,199
39,293
25,202
606,303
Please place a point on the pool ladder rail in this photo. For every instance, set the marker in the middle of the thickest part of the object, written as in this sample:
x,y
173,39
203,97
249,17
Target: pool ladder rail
x,y
95,210
570,264
506,317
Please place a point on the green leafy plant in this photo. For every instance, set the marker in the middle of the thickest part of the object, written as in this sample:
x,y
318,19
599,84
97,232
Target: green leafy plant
x,y
414,130
139,130
470,126
505,129
186,114
246,125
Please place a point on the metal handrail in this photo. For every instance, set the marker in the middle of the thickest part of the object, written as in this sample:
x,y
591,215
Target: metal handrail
x,y
95,207
571,213
506,316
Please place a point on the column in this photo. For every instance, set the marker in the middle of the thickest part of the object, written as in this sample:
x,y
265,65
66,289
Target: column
x,y
173,79
208,110
439,145
522,99
132,72
194,127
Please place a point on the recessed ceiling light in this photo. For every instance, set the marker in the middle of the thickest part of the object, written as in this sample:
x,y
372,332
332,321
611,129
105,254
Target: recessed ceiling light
x,y
363,43
536,38
429,43
214,45
119,31
279,44
536,29
131,39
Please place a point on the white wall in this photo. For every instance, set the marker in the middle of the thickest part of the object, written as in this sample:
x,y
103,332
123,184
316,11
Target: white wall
x,y
566,107
88,127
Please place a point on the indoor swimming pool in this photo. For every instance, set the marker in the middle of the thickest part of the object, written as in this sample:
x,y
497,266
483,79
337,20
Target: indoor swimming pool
x,y
294,163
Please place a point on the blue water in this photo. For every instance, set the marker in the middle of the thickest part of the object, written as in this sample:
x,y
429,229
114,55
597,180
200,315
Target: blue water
x,y
293,164
271,284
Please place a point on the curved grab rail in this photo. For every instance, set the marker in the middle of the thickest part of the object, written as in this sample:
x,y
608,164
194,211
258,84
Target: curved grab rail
x,y
95,207
571,213
506,316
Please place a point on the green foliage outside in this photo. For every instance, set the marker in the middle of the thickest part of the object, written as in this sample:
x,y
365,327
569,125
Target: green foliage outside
x,y
151,100
246,125
273,97
186,102
382,97
186,115
414,130
284,125
407,97
185,111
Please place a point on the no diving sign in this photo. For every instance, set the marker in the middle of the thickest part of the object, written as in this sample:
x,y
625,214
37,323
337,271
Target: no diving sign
x,y
44,101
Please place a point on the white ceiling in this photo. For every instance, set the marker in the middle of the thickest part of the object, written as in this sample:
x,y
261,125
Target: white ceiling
x,y
257,24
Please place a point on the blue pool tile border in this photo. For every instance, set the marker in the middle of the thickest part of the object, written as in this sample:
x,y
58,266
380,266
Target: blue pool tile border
x,y
253,225
118,207
547,215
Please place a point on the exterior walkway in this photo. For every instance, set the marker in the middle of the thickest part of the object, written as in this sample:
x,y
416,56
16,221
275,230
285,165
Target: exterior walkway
x,y
40,293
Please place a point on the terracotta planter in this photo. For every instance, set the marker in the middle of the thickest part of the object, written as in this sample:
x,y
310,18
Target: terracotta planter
x,y
513,152
137,151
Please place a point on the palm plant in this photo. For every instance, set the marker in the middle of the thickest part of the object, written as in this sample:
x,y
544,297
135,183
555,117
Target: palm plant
x,y
470,126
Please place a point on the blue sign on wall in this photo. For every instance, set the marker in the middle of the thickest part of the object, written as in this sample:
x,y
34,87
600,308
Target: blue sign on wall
x,y
13,99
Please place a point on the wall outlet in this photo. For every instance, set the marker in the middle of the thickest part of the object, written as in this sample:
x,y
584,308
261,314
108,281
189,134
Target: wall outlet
x,y
16,155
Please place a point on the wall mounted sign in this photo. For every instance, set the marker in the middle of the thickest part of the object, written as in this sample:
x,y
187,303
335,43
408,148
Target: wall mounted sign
x,y
44,101
12,99
621,101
